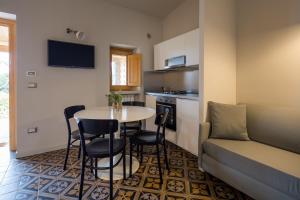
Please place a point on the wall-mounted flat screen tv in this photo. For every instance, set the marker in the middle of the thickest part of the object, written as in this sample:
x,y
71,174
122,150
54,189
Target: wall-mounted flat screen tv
x,y
70,55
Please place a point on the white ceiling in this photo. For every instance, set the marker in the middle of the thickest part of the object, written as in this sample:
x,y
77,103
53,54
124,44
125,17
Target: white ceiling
x,y
157,8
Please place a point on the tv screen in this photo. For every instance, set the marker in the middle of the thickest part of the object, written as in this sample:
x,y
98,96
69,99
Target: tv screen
x,y
65,54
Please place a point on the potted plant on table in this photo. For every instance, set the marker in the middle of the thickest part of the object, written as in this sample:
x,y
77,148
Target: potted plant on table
x,y
115,100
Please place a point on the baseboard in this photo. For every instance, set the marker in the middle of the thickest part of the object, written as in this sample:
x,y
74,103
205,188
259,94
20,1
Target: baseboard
x,y
38,151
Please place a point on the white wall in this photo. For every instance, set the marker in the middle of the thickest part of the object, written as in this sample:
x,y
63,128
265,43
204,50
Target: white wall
x,y
268,52
181,20
218,53
58,88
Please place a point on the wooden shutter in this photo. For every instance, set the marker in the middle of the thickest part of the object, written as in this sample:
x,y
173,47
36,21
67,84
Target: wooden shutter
x,y
134,70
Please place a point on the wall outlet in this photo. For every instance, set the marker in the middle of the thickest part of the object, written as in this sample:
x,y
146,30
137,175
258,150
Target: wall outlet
x,y
32,85
32,130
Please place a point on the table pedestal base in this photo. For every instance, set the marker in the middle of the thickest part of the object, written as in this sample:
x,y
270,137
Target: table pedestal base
x,y
118,170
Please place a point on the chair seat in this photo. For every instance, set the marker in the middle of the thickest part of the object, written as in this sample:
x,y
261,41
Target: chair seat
x,y
76,135
131,125
146,138
130,133
99,148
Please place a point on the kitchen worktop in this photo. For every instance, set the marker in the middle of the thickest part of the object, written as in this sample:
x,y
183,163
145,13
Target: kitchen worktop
x,y
180,96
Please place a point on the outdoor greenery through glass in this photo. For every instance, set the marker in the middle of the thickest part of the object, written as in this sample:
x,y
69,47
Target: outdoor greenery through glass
x,y
119,70
4,87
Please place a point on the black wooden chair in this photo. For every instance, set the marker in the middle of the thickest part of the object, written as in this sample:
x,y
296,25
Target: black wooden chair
x,y
152,138
74,135
100,148
132,128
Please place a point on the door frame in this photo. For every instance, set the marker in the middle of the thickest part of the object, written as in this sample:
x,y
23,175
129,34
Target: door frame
x,y
11,24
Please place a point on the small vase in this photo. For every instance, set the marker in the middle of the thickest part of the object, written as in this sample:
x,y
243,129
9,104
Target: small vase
x,y
119,106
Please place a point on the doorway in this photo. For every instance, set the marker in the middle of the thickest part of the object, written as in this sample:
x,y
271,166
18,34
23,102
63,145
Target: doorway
x,y
7,87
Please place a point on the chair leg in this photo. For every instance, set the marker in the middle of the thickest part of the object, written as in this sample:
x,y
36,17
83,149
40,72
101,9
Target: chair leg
x,y
111,181
67,154
130,160
137,150
166,157
96,166
142,152
158,162
82,177
79,151
124,163
92,164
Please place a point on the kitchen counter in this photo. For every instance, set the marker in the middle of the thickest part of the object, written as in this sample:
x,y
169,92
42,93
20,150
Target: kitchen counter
x,y
180,96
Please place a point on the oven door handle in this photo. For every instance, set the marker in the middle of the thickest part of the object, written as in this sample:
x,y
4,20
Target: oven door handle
x,y
164,105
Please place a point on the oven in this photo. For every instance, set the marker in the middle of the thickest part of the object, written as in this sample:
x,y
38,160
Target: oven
x,y
167,103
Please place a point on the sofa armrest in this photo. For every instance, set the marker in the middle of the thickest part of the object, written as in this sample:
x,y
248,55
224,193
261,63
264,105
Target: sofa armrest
x,y
204,131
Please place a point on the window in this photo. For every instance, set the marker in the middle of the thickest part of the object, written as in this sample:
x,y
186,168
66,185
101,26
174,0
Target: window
x,y
125,69
118,69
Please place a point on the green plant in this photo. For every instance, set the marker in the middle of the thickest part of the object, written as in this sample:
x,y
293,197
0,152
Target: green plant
x,y
114,98
4,105
4,82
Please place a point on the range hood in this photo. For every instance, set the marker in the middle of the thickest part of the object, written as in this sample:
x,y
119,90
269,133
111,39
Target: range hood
x,y
175,62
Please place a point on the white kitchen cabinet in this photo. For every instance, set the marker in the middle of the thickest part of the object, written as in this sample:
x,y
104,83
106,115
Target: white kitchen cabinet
x,y
187,124
183,45
192,47
171,136
151,103
174,47
158,57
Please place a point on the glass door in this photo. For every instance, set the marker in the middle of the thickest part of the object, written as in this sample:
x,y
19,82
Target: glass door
x,y
4,85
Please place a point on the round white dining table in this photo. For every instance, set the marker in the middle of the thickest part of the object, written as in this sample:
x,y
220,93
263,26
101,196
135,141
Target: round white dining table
x,y
126,114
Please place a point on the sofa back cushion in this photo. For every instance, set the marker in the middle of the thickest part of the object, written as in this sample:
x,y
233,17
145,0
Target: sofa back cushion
x,y
228,121
275,126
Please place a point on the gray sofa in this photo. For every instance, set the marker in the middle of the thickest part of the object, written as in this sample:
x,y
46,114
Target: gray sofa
x,y
268,166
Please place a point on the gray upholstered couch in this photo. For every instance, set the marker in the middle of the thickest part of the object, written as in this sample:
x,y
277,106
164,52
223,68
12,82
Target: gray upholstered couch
x,y
268,166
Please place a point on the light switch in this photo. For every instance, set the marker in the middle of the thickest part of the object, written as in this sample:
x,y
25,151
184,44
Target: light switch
x,y
32,85
31,73
32,130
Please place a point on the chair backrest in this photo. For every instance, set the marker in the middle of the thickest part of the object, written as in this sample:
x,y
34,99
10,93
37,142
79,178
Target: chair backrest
x,y
96,126
133,103
69,113
161,120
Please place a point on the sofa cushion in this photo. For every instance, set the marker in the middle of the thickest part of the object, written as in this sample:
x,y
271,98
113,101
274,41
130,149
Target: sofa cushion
x,y
228,121
272,166
276,126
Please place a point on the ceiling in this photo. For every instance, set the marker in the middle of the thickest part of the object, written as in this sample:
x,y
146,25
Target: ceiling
x,y
157,8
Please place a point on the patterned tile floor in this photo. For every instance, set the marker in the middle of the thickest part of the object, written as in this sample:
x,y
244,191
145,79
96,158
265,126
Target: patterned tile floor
x,y
42,177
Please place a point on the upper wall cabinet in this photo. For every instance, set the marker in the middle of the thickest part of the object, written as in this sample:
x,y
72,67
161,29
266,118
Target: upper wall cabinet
x,y
183,45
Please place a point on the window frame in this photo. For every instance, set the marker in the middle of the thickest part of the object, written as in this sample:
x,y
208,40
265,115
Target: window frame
x,y
122,52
